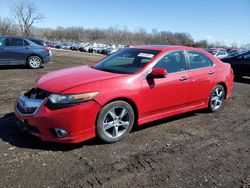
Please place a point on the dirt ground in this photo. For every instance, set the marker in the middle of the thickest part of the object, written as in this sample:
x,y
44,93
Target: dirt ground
x,y
197,149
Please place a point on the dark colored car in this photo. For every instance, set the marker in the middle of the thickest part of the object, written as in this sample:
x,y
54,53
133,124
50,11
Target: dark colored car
x,y
22,51
81,49
240,62
58,46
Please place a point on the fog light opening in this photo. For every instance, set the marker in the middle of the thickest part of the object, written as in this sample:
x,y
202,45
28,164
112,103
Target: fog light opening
x,y
61,132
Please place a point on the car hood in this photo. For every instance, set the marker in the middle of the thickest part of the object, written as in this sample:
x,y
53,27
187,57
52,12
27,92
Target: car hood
x,y
64,79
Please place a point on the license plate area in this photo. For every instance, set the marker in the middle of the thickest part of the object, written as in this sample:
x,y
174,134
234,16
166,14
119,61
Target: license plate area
x,y
24,126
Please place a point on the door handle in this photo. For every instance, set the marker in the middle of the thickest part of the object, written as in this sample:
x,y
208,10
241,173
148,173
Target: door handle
x,y
211,72
183,78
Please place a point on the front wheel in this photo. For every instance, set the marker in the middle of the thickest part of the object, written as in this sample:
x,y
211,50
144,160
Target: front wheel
x,y
216,98
34,62
115,121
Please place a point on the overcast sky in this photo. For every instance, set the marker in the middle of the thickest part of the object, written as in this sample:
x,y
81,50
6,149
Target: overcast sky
x,y
215,20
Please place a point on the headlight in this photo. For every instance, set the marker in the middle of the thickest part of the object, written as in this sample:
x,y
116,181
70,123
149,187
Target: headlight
x,y
59,101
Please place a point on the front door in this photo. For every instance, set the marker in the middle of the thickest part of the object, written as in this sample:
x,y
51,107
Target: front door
x,y
17,51
166,95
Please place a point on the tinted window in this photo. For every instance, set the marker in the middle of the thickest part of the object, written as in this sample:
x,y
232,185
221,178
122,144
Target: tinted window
x,y
221,53
127,61
198,60
2,41
25,43
15,42
172,62
38,42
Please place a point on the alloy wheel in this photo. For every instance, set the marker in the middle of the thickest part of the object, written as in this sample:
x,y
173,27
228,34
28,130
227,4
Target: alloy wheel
x,y
116,122
217,98
35,62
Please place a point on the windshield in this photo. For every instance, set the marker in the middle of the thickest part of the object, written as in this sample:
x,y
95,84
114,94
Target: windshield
x,y
127,61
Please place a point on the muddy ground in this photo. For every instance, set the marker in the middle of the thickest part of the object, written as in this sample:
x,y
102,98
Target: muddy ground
x,y
197,149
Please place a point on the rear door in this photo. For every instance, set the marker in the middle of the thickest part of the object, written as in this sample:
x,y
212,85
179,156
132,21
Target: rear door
x,y
3,51
201,72
17,51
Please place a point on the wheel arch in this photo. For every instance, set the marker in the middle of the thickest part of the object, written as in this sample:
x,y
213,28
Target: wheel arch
x,y
130,102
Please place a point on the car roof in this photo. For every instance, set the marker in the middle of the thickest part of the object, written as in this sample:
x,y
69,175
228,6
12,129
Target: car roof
x,y
164,47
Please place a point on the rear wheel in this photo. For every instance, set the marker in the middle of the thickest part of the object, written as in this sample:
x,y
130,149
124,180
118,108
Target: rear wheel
x,y
216,98
115,121
34,62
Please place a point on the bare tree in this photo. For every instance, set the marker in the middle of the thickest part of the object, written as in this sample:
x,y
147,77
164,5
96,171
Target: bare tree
x,y
26,14
5,26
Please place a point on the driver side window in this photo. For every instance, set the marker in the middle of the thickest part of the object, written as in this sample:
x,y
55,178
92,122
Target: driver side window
x,y
172,62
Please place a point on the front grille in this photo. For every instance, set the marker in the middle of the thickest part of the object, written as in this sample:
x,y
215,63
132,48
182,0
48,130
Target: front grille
x,y
26,110
29,102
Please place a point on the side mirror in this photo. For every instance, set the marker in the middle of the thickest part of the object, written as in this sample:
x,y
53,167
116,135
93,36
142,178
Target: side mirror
x,y
157,73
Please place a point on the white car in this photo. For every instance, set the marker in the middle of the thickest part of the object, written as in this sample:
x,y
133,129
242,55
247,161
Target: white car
x,y
220,54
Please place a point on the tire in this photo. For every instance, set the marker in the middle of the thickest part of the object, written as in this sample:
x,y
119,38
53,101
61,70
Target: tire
x,y
115,121
34,62
216,99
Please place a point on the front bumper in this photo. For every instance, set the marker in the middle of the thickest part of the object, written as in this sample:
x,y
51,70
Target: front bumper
x,y
78,121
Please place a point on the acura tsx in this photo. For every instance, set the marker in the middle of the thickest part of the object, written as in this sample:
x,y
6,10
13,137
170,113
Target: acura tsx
x,y
131,87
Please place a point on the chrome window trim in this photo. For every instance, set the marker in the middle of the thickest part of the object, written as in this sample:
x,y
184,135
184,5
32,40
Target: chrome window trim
x,y
186,59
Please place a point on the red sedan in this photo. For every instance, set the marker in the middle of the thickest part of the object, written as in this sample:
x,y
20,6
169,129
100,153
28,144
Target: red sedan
x,y
133,86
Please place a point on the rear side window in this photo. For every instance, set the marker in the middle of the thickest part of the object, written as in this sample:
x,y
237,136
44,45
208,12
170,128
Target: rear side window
x,y
15,42
198,60
221,53
173,62
25,43
38,42
2,41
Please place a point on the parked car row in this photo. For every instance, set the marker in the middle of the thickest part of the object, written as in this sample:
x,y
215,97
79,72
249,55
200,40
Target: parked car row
x,y
238,58
221,52
240,63
106,49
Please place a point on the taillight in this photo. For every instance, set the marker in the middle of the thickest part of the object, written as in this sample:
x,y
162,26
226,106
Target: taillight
x,y
46,48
